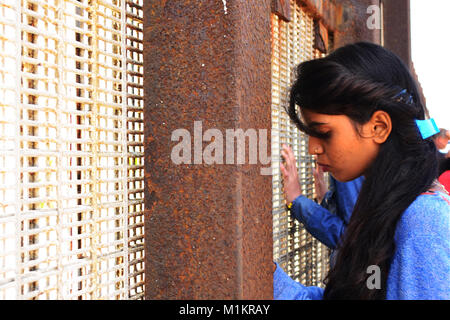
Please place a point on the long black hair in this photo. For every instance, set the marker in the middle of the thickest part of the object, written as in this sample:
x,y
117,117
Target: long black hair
x,y
357,80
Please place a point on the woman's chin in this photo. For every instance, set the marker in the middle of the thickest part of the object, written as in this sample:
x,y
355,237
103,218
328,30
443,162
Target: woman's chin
x,y
342,177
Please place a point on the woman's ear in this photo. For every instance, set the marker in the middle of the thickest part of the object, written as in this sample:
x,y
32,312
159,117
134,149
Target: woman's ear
x,y
380,126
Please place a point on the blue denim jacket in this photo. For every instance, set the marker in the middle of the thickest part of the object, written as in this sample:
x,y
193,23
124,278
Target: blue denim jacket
x,y
327,222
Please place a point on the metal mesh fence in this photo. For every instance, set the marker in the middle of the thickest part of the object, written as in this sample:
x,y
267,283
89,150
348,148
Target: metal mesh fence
x,y
304,258
71,149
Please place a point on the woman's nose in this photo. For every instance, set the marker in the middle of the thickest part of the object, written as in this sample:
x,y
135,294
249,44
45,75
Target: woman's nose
x,y
314,146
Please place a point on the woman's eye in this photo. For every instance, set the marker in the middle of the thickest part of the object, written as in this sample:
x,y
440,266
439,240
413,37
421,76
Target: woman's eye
x,y
324,135
320,134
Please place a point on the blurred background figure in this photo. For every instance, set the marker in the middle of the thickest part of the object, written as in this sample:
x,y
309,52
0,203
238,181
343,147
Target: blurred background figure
x,y
441,141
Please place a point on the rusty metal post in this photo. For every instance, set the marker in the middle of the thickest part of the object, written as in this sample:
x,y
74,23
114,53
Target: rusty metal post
x,y
352,16
208,227
397,26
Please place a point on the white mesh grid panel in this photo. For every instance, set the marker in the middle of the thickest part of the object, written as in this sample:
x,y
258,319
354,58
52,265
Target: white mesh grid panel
x,y
304,258
71,149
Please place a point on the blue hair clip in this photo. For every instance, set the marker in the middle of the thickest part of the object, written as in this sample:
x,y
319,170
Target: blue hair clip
x,y
400,93
427,127
404,96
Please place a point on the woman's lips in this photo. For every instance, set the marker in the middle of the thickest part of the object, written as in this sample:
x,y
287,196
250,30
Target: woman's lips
x,y
325,167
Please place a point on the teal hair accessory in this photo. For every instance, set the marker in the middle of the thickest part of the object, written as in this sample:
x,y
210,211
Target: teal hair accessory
x,y
427,127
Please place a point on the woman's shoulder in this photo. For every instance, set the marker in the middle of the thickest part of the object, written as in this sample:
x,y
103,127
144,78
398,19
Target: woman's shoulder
x,y
427,216
420,267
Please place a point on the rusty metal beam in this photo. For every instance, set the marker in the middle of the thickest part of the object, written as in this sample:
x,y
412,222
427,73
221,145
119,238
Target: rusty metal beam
x,y
325,10
346,19
320,37
208,228
282,8
352,22
397,28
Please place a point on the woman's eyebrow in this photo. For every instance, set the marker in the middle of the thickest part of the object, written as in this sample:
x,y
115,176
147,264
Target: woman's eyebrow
x,y
316,124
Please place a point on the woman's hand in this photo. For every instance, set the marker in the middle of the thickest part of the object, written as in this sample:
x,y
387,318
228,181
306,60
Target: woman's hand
x,y
319,182
289,174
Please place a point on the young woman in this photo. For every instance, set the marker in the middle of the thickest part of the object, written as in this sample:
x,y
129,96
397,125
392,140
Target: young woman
x,y
363,114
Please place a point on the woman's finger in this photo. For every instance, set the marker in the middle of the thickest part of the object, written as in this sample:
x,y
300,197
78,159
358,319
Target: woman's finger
x,y
316,172
291,154
292,159
283,170
286,158
286,149
319,170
